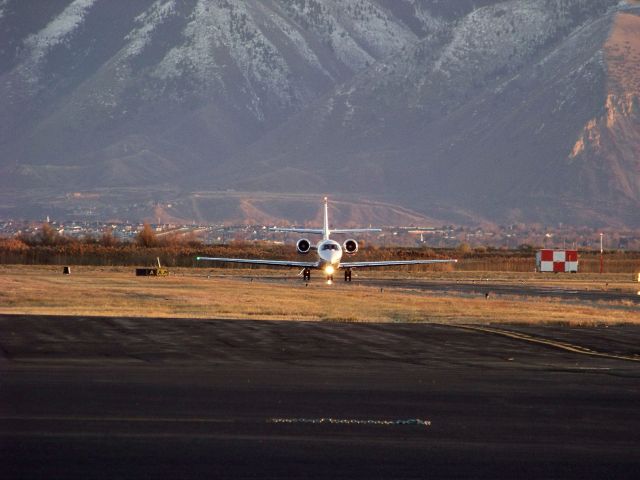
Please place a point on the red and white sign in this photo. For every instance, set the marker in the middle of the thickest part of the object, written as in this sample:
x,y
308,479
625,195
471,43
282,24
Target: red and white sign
x,y
548,260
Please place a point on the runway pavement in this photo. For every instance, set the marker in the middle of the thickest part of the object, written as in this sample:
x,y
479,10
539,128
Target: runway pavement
x,y
91,397
482,287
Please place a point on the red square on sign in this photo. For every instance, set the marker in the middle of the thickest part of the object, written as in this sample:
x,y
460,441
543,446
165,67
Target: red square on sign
x,y
547,255
572,255
558,266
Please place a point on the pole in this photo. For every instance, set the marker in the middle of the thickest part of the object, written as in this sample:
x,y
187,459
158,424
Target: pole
x,y
601,251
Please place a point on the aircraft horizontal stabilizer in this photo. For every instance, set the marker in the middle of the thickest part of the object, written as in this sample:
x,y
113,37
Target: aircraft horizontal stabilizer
x,y
355,230
297,230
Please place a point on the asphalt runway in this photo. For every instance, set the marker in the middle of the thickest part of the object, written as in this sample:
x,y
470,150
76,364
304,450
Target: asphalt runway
x,y
482,287
91,397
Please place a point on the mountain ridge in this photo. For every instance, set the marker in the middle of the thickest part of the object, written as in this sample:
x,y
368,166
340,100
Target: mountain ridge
x,y
437,107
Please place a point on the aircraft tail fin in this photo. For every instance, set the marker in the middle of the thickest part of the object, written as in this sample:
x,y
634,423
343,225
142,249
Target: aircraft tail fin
x,y
355,230
325,231
325,227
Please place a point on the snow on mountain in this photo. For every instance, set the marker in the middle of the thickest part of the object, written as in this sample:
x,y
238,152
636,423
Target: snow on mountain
x,y
57,30
39,44
146,23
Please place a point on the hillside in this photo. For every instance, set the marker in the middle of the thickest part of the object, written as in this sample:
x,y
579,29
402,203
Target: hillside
x,y
466,111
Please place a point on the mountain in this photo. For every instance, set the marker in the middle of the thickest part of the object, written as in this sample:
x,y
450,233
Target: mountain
x,y
468,111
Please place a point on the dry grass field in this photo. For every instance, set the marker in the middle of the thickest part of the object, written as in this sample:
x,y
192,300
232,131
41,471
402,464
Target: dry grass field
x,y
280,295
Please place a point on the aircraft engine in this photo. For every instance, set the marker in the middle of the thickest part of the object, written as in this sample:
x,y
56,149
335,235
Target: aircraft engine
x,y
303,245
350,246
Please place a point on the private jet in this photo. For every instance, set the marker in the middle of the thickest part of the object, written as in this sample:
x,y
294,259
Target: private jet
x,y
329,252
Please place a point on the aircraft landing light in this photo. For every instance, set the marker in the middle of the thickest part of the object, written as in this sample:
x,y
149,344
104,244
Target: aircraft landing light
x,y
329,270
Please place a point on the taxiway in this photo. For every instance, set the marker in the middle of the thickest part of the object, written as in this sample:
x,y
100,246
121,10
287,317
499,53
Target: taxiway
x,y
92,397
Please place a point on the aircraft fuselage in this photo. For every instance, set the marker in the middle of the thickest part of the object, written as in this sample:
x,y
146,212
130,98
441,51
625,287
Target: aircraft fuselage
x,y
329,254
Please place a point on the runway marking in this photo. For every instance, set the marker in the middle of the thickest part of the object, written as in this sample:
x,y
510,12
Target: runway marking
x,y
351,421
569,347
328,420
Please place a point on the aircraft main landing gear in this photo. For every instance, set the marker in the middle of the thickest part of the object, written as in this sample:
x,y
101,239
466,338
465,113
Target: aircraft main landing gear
x,y
306,274
347,275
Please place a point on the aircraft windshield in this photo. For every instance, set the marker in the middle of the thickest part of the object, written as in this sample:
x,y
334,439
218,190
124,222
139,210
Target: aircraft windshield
x,y
329,246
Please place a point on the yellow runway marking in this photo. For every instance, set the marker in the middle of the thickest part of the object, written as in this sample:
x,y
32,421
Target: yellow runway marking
x,y
551,343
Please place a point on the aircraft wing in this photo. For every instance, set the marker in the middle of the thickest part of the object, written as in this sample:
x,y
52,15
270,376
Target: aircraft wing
x,y
297,230
392,263
279,263
355,230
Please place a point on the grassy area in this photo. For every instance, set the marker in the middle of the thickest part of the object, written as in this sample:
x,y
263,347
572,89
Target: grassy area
x,y
279,295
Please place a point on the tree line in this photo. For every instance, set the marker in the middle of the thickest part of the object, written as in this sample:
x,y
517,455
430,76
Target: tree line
x,y
48,247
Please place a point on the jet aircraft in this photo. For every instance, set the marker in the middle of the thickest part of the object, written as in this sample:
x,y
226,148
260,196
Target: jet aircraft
x,y
329,252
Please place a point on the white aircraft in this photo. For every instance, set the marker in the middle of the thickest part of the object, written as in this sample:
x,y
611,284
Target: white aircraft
x,y
329,252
